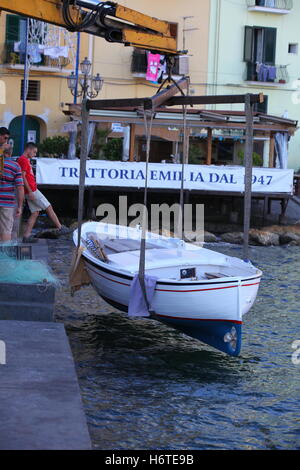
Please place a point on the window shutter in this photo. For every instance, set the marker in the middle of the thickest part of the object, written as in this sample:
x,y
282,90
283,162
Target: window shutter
x,y
269,52
262,107
248,44
12,34
12,28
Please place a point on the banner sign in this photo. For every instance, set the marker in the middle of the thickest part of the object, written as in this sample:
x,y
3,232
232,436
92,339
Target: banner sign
x,y
163,175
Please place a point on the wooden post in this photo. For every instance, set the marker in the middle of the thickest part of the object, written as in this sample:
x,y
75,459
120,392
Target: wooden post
x,y
209,146
272,149
132,143
83,157
248,174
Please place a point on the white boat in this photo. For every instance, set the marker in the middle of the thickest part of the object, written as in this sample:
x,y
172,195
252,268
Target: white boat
x,y
201,292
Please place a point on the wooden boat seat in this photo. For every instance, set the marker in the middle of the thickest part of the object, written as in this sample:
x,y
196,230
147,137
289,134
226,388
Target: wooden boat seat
x,y
120,245
160,258
215,275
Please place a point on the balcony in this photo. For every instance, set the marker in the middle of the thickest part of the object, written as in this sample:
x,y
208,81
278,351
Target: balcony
x,y
16,59
279,7
268,75
139,64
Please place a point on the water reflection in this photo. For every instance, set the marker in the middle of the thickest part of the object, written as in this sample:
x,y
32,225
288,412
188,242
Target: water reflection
x,y
147,386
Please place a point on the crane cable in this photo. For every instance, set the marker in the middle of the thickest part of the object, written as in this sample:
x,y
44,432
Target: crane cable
x,y
98,11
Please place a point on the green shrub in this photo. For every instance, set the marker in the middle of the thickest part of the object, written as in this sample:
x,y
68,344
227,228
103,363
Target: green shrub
x,y
54,147
113,149
99,143
256,158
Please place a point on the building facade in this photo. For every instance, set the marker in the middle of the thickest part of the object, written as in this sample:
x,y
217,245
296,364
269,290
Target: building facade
x,y
123,68
253,48
52,55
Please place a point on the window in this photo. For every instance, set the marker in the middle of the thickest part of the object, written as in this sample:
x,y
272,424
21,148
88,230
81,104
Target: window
x,y
259,53
34,90
260,45
293,48
16,41
15,35
262,107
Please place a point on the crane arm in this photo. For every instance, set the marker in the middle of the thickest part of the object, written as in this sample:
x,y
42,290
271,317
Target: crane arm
x,y
109,20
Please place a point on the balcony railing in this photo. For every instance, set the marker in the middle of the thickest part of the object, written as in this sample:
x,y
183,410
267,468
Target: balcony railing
x,y
269,74
275,6
15,58
139,63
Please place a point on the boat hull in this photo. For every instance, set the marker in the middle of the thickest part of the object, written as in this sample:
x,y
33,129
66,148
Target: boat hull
x,y
212,311
205,306
214,300
226,336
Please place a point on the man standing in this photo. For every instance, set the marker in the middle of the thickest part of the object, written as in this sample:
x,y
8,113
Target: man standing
x,y
35,199
4,136
11,191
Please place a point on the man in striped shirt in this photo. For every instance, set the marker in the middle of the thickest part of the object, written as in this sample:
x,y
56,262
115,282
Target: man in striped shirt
x,y
11,194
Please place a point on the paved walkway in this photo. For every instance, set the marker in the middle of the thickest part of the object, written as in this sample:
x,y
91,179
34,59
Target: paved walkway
x,y
40,402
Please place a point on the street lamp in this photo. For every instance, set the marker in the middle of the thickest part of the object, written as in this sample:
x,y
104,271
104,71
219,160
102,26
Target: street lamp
x,y
90,86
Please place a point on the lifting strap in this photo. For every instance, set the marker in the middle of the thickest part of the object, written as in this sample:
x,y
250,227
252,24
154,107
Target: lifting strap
x,y
148,121
180,221
83,158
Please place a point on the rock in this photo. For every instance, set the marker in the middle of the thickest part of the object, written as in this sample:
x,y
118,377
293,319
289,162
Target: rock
x,y
74,224
280,229
294,243
237,238
288,237
48,233
199,238
263,238
210,237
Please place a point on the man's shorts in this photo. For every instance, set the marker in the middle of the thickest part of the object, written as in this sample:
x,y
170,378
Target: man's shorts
x,y
40,203
6,219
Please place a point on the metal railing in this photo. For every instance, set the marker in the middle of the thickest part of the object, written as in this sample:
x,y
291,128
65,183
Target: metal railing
x,y
10,56
139,62
278,4
266,73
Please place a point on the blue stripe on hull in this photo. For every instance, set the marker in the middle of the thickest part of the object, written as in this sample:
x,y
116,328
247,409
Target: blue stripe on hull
x,y
226,336
208,331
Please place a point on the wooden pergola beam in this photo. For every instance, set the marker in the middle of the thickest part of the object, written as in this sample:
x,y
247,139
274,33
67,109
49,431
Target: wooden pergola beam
x,y
213,99
164,98
151,102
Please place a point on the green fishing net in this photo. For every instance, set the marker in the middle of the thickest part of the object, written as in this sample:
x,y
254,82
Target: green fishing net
x,y
25,271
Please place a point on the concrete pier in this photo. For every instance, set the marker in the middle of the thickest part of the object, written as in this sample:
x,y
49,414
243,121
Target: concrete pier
x,y
40,402
27,302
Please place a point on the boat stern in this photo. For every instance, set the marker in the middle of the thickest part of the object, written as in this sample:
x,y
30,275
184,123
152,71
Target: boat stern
x,y
224,335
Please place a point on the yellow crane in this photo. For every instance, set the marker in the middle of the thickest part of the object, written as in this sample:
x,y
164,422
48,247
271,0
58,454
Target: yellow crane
x,y
109,20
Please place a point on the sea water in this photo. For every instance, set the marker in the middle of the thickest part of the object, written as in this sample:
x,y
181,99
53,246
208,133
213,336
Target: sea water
x,y
147,386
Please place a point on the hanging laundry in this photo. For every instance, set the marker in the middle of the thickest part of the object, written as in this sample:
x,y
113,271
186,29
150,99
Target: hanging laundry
x,y
153,67
266,73
17,46
272,73
57,52
34,53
